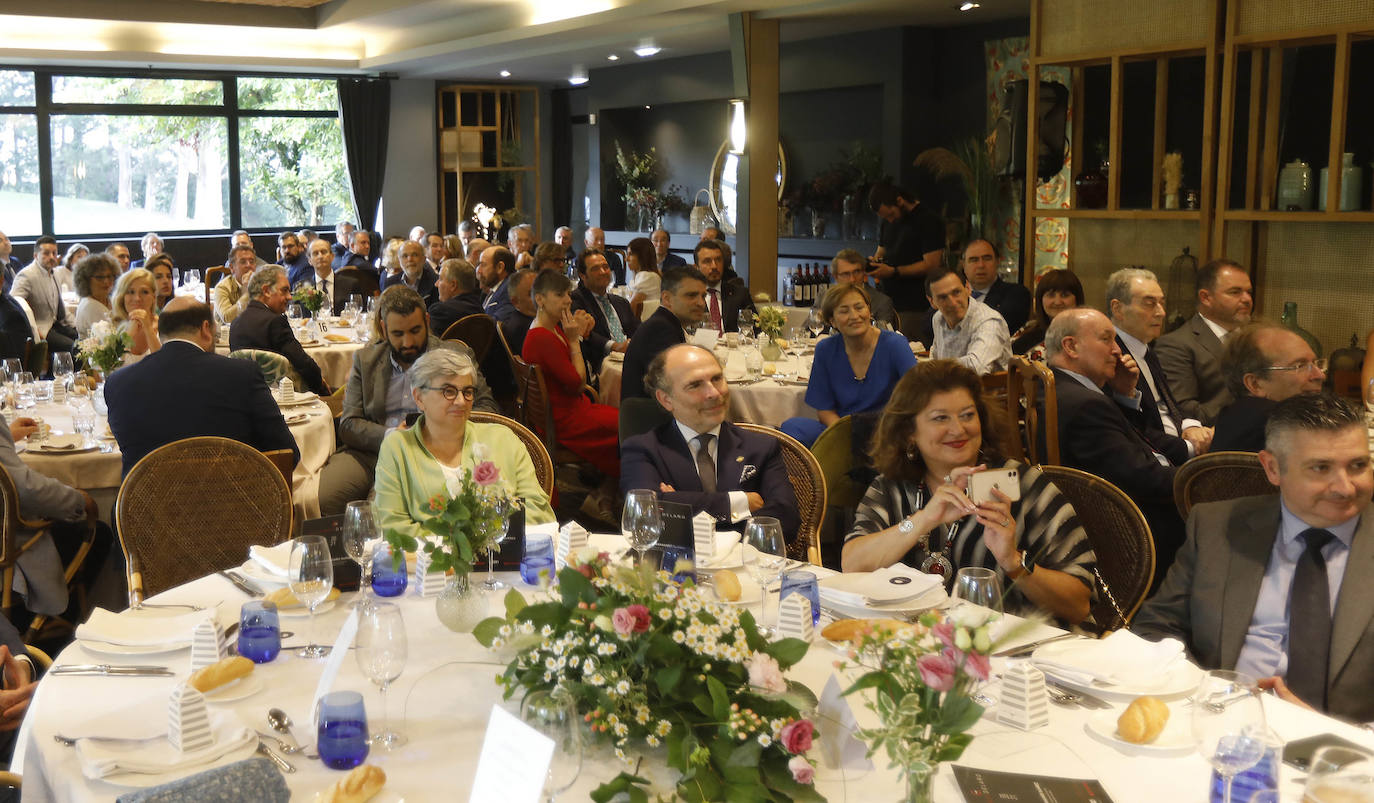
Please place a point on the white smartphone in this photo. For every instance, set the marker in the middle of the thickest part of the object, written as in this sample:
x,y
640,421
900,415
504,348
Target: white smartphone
x,y
980,485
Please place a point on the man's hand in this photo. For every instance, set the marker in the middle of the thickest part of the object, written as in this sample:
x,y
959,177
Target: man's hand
x,y
755,501
1281,689
664,487
880,270
1200,437
14,701
22,427
621,347
17,673
92,511
1123,381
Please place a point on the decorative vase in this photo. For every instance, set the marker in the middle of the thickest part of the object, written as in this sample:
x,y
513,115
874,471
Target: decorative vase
x,y
631,216
459,606
770,350
1289,319
920,785
817,224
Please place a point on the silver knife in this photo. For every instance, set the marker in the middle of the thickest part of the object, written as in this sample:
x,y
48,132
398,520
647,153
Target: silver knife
x,y
1085,699
282,764
112,671
1026,649
246,586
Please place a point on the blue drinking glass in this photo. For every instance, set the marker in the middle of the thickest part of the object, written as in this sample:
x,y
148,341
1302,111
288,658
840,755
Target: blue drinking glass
x,y
259,631
388,576
670,556
343,740
803,583
538,557
1264,775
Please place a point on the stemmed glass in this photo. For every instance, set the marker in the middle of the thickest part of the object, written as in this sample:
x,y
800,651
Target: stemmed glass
x,y
1340,775
294,313
1231,732
14,367
311,573
746,324
381,654
62,367
979,586
641,521
815,322
496,535
190,278
359,528
552,714
765,560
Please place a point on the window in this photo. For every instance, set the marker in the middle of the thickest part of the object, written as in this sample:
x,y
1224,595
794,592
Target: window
x,y
192,152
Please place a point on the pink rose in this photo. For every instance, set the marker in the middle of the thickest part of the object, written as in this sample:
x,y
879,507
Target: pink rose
x,y
796,735
640,616
978,665
765,674
802,771
945,633
937,671
623,621
486,473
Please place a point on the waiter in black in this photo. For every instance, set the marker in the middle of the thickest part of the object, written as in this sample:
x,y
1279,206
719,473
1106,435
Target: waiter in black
x,y
911,243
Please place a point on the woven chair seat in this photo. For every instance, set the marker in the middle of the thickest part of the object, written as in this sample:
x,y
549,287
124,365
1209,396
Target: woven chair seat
x,y
543,464
809,484
1218,476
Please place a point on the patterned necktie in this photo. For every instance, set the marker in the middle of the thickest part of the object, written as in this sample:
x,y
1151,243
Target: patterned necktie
x,y
1162,385
706,467
612,320
715,310
1309,622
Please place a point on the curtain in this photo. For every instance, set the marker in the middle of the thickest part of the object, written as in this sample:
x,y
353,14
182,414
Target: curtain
x,y
365,112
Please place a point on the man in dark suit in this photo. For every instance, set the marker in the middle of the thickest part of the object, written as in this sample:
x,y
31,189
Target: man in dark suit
x,y
683,303
414,274
615,321
1190,354
1094,433
263,325
666,259
1264,364
1013,301
724,298
358,255
185,390
459,295
8,261
494,267
1135,304
336,286
343,233
517,324
1277,586
596,238
699,458
14,324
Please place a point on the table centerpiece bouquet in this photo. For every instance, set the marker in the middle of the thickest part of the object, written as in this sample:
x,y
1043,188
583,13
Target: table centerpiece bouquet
x,y
769,323
105,346
652,663
309,297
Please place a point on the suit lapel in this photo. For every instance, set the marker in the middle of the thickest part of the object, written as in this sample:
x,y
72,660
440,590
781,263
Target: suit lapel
x,y
1249,548
1205,338
728,466
381,380
1355,605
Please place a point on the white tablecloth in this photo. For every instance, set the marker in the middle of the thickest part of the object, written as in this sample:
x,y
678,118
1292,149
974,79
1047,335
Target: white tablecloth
x,y
444,697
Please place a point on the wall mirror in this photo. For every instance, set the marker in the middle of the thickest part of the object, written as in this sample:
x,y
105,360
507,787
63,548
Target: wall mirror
x,y
723,185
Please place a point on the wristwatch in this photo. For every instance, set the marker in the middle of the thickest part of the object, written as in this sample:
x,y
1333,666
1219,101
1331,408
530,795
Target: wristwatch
x,y
1025,570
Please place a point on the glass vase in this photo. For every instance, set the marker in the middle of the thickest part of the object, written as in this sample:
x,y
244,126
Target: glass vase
x,y
770,350
459,606
920,785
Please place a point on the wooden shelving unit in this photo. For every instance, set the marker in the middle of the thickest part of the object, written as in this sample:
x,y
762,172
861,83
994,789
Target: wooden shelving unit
x,y
488,151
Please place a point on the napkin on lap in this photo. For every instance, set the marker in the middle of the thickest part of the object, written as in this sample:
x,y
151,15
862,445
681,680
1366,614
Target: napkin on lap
x,y
140,631
101,758
275,560
893,584
1121,658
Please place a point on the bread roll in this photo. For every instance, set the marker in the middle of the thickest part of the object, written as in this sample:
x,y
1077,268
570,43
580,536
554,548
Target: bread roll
x,y
284,598
855,629
218,674
359,785
728,586
1143,720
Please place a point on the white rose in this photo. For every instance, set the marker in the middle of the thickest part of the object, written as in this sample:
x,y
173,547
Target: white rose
x,y
970,616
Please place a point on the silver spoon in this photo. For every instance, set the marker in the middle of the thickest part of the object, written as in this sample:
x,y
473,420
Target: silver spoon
x,y
281,723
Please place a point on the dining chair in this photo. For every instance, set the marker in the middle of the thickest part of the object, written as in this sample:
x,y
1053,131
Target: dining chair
x,y
1217,476
194,507
510,404
834,453
273,366
477,330
1121,538
14,527
36,357
539,456
212,278
334,401
809,484
639,415
536,411
1040,406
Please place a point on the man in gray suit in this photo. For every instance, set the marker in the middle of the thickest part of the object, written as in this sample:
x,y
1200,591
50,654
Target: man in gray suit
x,y
1276,586
377,398
1191,353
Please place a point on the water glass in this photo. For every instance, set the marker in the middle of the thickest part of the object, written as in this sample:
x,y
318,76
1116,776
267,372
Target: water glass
x,y
381,650
259,631
804,583
553,714
294,313
641,521
42,391
341,730
25,390
311,575
83,421
765,556
536,564
980,586
753,363
388,570
1250,783
1340,775
497,533
1231,734
190,278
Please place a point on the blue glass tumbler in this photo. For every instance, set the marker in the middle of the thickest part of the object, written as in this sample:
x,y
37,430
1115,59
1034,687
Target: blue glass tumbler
x,y
388,575
259,631
342,733
538,557
669,560
1264,775
803,583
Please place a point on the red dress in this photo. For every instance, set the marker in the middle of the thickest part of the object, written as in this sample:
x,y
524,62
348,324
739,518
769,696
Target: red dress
x,y
586,429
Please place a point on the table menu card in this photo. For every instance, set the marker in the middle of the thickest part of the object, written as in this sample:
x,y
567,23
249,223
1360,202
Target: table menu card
x,y
979,785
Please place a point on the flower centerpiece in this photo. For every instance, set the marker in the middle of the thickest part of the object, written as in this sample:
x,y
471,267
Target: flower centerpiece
x,y
105,346
309,297
636,172
769,323
922,678
653,663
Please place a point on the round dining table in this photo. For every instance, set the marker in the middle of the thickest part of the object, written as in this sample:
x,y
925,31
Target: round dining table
x,y
332,354
444,697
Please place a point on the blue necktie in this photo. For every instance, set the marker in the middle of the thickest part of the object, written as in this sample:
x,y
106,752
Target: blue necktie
x,y
612,320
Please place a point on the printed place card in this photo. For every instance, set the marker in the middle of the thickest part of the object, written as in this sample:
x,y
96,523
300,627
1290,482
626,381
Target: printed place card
x,y
514,761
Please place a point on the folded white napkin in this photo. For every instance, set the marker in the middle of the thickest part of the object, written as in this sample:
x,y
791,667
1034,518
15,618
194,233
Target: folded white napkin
x,y
102,757
275,560
140,631
1123,658
896,583
726,551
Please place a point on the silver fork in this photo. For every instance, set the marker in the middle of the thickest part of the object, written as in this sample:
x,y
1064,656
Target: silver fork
x,y
140,605
1062,697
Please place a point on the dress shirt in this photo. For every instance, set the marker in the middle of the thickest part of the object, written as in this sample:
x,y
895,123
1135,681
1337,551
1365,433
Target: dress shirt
x,y
1265,651
1132,401
399,402
38,287
980,341
326,286
1137,348
1216,328
739,500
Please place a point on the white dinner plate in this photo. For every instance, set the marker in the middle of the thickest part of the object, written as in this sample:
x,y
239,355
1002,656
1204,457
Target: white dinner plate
x,y
311,344
1177,736
297,418
749,593
258,574
245,686
139,780
301,610
63,444
1179,681
125,650
933,598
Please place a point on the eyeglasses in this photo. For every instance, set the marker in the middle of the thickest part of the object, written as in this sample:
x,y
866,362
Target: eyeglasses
x,y
1304,367
451,393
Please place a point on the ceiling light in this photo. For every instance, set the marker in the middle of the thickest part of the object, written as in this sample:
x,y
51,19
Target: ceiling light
x,y
645,51
969,6
613,57
738,126
578,79
505,73
646,106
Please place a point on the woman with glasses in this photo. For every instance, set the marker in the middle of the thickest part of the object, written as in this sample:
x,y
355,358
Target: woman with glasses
x,y
1263,364
432,456
95,278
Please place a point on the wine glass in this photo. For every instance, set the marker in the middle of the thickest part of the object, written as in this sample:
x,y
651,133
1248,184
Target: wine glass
x,y
1340,775
359,528
1231,732
381,654
641,521
294,313
815,322
311,573
62,367
13,368
765,556
746,324
496,534
191,278
553,714
982,587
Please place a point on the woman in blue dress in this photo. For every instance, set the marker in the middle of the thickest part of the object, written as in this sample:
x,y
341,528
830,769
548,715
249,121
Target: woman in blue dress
x,y
855,369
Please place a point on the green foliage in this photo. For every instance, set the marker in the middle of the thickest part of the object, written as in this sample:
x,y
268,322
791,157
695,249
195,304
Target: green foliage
x,y
464,525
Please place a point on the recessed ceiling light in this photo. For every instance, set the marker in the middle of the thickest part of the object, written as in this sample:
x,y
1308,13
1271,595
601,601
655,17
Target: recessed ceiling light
x,y
613,57
969,6
648,106
578,80
505,73
646,51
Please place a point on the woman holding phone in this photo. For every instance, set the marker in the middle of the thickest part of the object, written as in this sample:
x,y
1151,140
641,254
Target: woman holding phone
x,y
934,434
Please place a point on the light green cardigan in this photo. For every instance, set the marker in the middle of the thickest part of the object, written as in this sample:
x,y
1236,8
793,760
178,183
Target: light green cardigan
x,y
408,476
